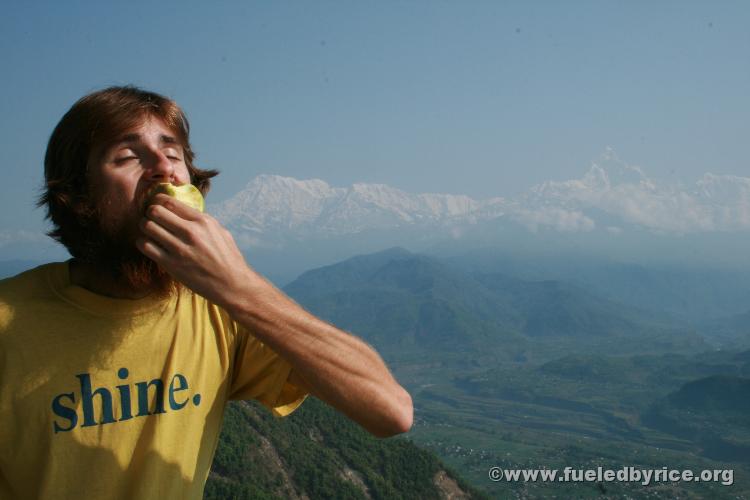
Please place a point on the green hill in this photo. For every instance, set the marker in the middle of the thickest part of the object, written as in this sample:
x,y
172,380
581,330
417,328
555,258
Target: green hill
x,y
719,393
713,412
555,308
318,453
410,305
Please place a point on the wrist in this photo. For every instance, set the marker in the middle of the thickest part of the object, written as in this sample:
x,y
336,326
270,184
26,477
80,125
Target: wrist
x,y
249,297
240,289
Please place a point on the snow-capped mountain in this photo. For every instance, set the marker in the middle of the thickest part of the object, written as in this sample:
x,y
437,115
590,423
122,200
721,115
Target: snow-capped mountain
x,y
624,192
272,207
612,196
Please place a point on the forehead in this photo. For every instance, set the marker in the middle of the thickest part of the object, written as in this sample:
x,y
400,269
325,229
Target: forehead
x,y
143,129
148,129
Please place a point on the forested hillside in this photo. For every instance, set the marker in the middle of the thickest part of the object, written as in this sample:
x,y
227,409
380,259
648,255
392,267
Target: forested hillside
x,y
318,453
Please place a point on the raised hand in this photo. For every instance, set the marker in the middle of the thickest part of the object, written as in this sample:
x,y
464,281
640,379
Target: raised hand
x,y
195,249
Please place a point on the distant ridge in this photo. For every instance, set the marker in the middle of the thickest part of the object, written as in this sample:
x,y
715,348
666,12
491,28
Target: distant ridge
x,y
409,304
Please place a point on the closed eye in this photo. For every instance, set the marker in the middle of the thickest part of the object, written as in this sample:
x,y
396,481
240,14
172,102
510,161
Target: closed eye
x,y
172,153
124,159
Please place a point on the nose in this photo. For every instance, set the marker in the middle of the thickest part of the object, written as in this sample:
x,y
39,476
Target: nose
x,y
160,168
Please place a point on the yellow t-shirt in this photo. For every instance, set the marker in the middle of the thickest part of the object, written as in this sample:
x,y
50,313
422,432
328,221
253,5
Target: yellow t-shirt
x,y
109,398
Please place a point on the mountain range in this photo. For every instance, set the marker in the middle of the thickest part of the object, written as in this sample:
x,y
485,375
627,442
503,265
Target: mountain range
x,y
612,197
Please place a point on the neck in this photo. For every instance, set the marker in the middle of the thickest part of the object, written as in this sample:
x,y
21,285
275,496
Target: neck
x,y
102,282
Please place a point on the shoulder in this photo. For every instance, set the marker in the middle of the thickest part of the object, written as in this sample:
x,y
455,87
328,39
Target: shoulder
x,y
26,286
28,281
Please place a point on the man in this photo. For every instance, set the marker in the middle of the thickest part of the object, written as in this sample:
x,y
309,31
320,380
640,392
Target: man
x,y
116,366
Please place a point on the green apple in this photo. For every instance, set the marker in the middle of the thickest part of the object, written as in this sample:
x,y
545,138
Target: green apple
x,y
186,193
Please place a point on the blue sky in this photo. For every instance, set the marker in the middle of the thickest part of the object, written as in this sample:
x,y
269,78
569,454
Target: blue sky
x,y
480,98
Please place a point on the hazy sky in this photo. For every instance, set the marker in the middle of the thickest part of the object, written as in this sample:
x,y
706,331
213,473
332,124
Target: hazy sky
x,y
480,98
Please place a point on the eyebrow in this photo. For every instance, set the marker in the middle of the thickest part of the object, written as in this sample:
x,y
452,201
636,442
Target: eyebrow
x,y
164,139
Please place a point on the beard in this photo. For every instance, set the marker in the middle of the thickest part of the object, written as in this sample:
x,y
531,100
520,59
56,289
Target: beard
x,y
111,250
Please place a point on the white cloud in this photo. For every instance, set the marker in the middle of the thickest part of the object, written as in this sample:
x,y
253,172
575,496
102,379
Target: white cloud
x,y
665,210
560,219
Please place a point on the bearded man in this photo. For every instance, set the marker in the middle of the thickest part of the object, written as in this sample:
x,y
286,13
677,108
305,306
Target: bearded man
x,y
116,366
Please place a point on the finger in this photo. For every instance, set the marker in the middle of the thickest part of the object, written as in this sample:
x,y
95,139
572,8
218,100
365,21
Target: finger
x,y
184,211
151,250
167,240
169,220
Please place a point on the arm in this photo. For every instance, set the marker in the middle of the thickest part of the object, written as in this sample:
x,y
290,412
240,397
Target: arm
x,y
335,366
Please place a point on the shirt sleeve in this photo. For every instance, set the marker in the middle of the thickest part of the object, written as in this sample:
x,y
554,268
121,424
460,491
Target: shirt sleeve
x,y
259,373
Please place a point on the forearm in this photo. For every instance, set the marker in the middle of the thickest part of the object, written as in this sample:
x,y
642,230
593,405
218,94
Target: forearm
x,y
339,368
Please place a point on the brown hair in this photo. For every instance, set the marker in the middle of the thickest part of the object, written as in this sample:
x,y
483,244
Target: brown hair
x,y
91,124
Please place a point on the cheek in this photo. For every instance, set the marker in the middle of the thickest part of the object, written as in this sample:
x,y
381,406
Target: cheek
x,y
182,175
114,189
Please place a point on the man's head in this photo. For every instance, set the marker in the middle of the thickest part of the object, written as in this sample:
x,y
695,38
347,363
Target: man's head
x,y
101,160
